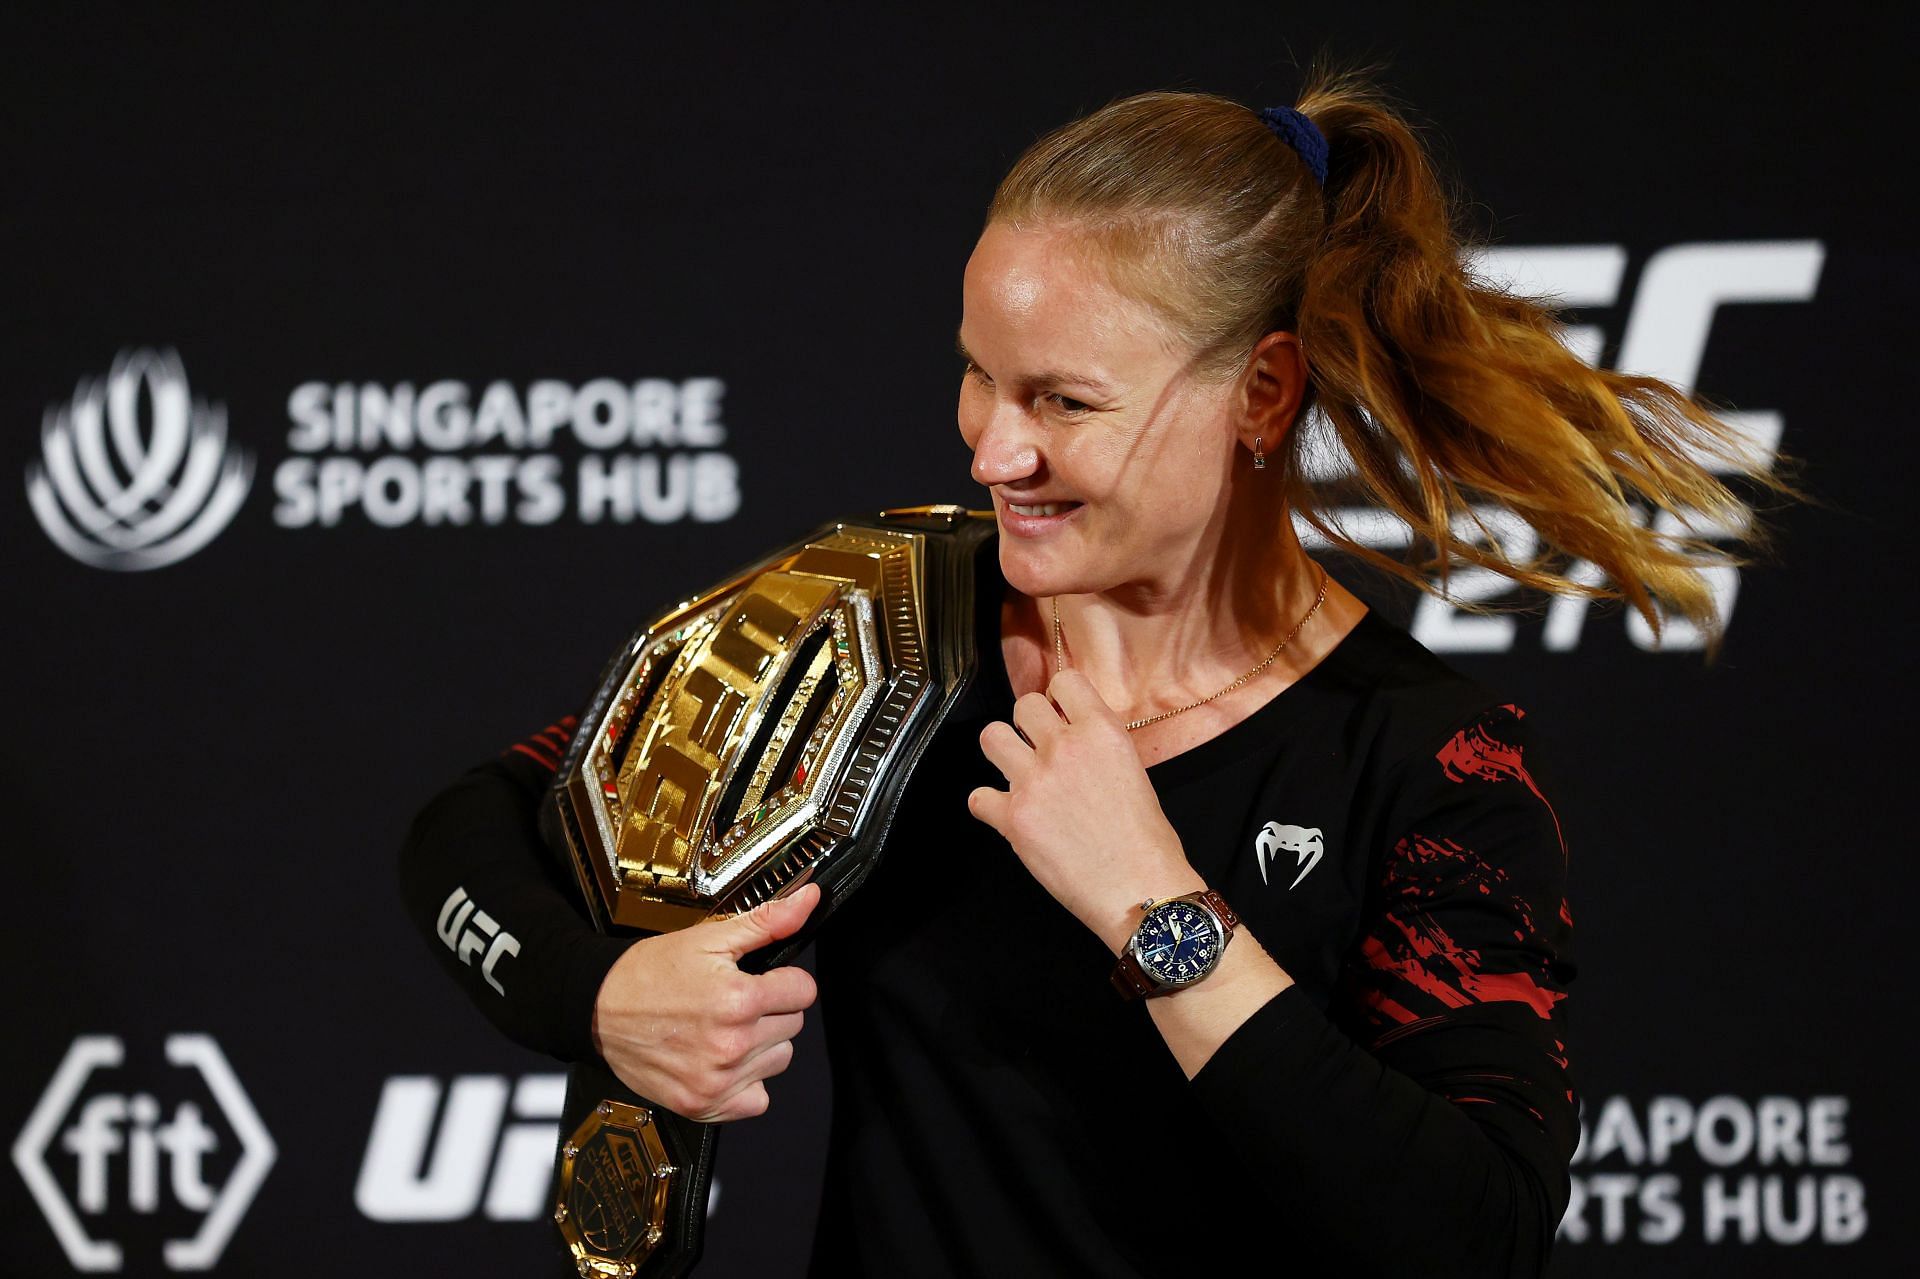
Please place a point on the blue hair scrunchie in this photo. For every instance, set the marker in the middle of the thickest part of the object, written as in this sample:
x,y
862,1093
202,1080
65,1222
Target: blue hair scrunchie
x,y
1292,127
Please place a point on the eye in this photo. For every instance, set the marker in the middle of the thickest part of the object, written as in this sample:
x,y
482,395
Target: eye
x,y
977,373
1067,404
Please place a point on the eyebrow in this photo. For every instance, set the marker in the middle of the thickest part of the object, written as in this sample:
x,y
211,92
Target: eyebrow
x,y
1046,377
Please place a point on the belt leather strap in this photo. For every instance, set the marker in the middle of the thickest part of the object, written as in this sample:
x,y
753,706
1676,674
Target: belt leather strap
x,y
739,745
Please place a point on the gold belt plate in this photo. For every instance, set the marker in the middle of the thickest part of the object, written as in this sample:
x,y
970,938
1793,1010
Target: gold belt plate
x,y
615,1180
746,730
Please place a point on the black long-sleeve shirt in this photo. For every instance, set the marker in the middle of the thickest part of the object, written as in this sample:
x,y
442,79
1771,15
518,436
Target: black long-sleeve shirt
x,y
1405,1108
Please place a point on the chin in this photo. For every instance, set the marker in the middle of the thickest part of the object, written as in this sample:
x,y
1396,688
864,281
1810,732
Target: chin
x,y
1035,573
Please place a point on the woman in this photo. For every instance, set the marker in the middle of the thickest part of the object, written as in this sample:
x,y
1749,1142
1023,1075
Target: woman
x,y
1345,1040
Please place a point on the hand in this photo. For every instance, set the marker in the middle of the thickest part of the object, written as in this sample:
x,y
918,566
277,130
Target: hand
x,y
1080,812
680,1024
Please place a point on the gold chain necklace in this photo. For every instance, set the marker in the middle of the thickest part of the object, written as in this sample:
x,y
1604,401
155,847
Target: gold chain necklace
x,y
1059,658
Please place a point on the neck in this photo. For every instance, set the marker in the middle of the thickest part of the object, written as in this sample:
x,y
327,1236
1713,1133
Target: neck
x,y
1153,644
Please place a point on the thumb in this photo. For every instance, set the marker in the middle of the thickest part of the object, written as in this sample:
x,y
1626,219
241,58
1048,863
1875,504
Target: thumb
x,y
767,922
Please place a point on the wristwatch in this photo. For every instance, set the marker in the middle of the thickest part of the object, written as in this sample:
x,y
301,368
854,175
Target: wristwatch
x,y
1179,942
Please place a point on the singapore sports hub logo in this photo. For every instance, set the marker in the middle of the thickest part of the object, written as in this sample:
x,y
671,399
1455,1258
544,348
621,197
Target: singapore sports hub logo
x,y
119,489
652,450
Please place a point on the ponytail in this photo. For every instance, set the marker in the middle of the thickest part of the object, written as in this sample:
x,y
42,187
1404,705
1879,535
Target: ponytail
x,y
1446,392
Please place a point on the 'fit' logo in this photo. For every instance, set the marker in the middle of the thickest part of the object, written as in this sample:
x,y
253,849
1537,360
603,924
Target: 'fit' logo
x,y
114,1145
469,931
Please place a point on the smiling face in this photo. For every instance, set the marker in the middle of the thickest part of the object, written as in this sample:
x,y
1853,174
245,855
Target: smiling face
x,y
1108,457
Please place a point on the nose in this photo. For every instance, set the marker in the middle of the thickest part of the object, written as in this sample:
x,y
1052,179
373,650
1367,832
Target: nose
x,y
1007,449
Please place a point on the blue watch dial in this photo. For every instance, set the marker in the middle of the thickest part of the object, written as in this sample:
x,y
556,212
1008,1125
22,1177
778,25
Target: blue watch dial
x,y
1177,942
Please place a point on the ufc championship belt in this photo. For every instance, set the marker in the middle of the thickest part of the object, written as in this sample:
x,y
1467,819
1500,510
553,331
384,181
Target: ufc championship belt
x,y
739,745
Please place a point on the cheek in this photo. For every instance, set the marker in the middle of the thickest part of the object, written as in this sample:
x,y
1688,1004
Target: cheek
x,y
1176,489
1122,472
972,416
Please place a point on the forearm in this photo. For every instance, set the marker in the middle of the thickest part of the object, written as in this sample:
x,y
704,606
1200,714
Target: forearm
x,y
1401,1177
1197,1020
1426,1126
498,915
1396,1175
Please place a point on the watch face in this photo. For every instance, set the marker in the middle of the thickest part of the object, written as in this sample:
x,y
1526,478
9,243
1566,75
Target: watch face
x,y
1178,942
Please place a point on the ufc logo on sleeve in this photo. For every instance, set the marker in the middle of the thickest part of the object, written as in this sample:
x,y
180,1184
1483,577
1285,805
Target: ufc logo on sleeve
x,y
469,931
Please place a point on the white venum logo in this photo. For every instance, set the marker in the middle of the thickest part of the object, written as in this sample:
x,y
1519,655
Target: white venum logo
x,y
1304,842
116,496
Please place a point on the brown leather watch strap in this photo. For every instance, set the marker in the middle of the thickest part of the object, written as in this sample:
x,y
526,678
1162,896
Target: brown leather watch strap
x,y
1220,908
1128,978
1132,981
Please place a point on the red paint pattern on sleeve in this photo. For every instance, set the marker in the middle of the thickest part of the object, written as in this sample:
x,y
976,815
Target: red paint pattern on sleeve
x,y
1411,954
1465,915
1412,966
547,746
1480,752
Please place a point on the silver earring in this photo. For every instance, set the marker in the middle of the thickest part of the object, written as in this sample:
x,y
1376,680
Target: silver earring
x,y
1259,458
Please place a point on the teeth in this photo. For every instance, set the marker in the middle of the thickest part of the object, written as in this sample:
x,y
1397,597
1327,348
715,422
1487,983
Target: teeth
x,y
1052,508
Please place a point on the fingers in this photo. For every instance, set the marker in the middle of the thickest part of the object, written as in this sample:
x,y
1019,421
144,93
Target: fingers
x,y
748,1090
749,1103
742,1094
765,1065
990,806
1037,718
677,1021
1078,699
1014,750
768,922
726,1085
774,1033
782,990
1005,751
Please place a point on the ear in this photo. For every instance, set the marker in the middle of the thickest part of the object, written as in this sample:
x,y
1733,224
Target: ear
x,y
1271,388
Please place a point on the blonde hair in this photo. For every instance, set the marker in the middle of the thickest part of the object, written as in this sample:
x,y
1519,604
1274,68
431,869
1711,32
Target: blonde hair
x,y
1444,390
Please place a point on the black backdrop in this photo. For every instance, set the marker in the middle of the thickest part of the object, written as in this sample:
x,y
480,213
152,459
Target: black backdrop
x,y
733,239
